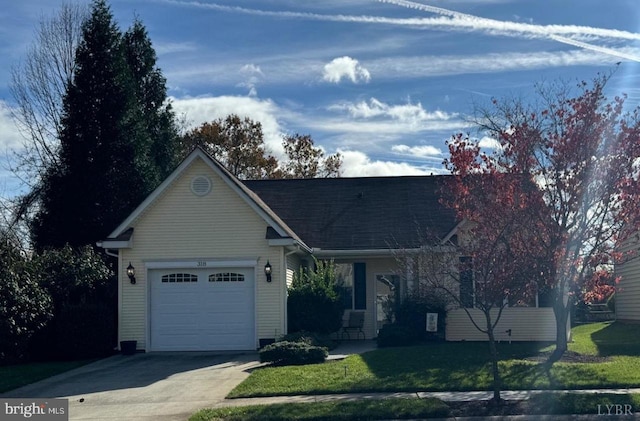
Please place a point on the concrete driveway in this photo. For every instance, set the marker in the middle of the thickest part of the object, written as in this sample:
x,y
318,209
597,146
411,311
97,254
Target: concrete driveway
x,y
154,386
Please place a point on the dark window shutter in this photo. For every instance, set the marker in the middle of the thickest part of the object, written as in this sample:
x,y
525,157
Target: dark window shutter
x,y
360,286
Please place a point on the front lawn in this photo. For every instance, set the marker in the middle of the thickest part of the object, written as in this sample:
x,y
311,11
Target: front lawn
x,y
14,376
543,404
339,410
461,366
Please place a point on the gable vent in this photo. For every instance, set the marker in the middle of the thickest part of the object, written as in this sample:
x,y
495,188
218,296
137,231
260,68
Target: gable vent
x,y
200,185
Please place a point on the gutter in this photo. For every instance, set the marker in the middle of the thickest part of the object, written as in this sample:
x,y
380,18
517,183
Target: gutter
x,y
379,252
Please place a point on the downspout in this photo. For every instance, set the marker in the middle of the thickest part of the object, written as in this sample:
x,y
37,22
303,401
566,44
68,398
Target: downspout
x,y
108,252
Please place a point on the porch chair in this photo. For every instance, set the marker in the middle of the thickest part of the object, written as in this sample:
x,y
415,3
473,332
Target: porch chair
x,y
356,321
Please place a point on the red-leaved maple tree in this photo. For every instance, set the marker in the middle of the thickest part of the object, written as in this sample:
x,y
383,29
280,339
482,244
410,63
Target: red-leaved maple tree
x,y
568,170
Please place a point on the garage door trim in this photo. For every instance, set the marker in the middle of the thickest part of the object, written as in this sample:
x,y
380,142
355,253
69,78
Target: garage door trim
x,y
208,263
200,264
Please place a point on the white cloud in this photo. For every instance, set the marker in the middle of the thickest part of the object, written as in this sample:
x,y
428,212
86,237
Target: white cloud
x,y
10,137
489,143
452,19
422,151
405,112
430,66
253,74
358,164
449,20
205,109
163,48
296,68
345,67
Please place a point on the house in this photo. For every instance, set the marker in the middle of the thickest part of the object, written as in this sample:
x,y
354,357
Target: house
x,y
627,295
204,262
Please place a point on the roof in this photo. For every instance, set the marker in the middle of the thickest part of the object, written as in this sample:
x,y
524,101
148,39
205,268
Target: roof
x,y
359,213
351,214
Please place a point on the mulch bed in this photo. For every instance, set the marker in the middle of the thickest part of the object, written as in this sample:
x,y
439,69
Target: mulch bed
x,y
486,408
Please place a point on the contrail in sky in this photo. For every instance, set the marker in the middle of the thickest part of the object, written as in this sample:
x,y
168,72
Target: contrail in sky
x,y
453,19
549,31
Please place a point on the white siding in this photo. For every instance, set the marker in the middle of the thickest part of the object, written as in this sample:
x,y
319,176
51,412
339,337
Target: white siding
x,y
293,265
526,324
628,290
183,226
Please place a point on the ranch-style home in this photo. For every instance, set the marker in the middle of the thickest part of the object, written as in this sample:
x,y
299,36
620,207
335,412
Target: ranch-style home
x,y
204,262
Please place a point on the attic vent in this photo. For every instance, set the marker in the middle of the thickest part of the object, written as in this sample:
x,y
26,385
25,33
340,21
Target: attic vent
x,y
200,185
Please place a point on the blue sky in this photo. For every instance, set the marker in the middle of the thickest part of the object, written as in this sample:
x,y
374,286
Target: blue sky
x,y
385,83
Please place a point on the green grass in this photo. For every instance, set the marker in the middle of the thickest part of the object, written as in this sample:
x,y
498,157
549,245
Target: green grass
x,y
460,367
14,376
542,404
342,410
581,403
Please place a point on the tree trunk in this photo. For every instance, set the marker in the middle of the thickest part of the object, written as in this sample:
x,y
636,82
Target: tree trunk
x,y
561,313
497,381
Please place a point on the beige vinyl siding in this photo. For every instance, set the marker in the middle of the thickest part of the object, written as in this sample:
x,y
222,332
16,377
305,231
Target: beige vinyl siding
x,y
628,290
182,226
526,324
293,265
292,262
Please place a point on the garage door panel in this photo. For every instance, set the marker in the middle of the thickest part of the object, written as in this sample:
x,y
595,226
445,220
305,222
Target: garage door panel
x,y
202,314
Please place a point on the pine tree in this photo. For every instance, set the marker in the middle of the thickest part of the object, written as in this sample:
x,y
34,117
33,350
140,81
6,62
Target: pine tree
x,y
113,113
157,113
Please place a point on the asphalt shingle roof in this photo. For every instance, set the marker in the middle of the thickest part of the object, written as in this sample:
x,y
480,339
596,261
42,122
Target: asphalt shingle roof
x,y
359,213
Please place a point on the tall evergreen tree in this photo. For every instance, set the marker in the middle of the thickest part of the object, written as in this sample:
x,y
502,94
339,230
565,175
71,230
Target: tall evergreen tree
x,y
113,111
157,114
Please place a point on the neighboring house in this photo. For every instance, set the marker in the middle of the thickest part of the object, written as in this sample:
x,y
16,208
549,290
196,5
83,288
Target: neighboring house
x,y
201,243
627,299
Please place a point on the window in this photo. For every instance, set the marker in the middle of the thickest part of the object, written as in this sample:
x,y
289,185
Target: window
x,y
537,297
352,281
179,278
226,277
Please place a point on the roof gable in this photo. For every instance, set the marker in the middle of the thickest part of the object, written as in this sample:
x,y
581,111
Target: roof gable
x,y
273,221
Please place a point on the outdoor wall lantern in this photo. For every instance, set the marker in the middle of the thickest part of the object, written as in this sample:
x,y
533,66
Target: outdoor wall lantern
x,y
131,273
267,271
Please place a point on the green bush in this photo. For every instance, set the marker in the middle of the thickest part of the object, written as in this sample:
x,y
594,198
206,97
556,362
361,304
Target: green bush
x,y
90,336
314,304
398,335
25,307
82,288
412,312
310,338
293,353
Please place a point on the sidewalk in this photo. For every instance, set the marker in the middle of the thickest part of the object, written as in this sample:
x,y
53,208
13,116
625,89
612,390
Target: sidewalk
x,y
444,396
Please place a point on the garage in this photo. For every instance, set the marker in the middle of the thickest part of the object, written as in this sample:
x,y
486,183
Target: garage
x,y
202,309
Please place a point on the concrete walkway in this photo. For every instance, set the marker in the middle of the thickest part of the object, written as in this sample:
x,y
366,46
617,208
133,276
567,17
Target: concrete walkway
x,y
444,396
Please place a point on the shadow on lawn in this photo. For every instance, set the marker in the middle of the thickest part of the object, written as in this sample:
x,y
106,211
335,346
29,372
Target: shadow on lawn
x,y
452,366
617,338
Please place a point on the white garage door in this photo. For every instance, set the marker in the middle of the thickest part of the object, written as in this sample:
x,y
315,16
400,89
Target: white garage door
x,y
202,309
